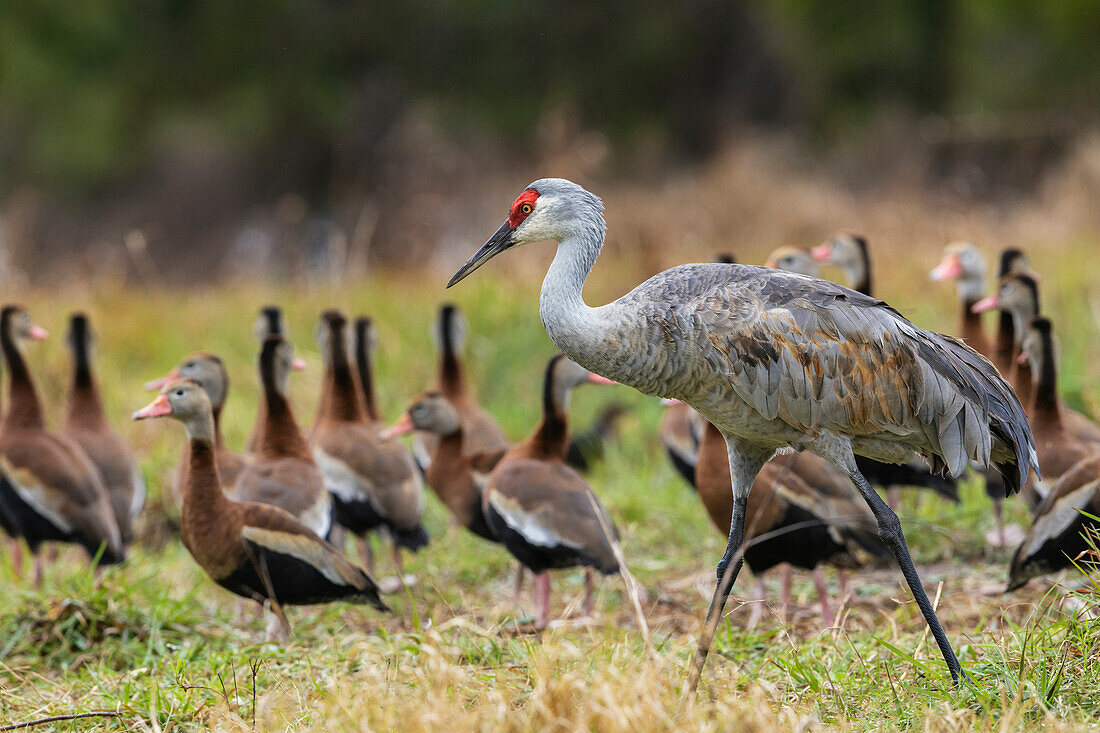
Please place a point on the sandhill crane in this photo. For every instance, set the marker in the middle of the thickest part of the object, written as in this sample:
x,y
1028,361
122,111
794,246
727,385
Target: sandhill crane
x,y
775,360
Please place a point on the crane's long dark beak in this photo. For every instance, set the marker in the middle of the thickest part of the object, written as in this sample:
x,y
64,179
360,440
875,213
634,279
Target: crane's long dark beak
x,y
497,243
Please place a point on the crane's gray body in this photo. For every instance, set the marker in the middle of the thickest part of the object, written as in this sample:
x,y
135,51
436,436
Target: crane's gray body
x,y
779,359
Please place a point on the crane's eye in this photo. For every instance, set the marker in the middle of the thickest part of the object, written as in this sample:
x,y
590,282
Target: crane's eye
x,y
526,209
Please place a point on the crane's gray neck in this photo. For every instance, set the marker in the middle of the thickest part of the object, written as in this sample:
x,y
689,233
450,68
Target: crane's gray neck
x,y
571,324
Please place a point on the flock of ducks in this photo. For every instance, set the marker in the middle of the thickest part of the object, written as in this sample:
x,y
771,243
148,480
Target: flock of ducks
x,y
266,524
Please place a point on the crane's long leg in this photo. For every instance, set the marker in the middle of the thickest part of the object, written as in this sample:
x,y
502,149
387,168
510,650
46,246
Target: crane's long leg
x,y
889,529
746,460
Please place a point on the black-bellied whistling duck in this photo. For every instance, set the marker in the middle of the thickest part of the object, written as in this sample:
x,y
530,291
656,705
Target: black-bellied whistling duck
x,y
481,432
373,483
254,550
1018,294
456,477
1058,448
802,511
543,511
793,259
208,370
963,263
53,492
283,472
1058,537
86,423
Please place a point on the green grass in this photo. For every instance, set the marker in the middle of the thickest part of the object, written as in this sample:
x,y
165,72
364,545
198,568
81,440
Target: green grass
x,y
157,642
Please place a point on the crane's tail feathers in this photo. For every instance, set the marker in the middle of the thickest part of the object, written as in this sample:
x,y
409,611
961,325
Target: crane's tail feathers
x,y
988,424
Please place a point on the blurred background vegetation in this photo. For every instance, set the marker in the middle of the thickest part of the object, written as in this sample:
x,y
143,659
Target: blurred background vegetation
x,y
178,139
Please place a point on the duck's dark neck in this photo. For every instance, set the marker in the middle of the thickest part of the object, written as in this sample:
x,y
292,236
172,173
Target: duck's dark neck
x,y
1005,347
24,409
366,373
452,377
551,437
202,494
341,399
1045,405
972,331
85,404
861,277
219,442
279,434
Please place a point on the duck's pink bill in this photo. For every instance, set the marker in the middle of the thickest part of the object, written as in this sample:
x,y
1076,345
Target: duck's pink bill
x,y
597,379
822,252
986,304
670,401
38,333
157,408
154,384
949,269
402,426
297,364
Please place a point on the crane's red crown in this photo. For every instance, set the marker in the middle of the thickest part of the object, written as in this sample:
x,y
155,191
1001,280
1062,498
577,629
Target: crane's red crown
x,y
522,207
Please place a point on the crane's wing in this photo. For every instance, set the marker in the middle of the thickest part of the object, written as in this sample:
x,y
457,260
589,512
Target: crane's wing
x,y
818,355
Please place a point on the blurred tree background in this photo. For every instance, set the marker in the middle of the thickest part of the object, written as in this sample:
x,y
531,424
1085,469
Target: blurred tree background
x,y
187,110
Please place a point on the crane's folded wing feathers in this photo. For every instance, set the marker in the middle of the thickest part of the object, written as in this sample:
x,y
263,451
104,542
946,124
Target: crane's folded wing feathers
x,y
815,355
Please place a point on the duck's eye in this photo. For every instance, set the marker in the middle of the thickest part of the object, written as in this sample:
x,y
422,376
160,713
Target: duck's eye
x,y
179,393
526,209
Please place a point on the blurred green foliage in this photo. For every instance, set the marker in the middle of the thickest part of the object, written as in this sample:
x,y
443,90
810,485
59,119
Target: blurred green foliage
x,y
91,89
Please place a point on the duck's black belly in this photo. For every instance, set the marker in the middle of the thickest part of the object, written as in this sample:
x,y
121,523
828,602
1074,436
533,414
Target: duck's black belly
x,y
539,558
807,544
294,581
20,519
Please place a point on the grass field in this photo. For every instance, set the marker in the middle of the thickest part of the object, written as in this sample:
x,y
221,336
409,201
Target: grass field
x,y
159,644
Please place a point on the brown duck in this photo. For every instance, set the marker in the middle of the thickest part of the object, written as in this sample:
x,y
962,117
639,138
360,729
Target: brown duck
x,y
456,477
543,511
254,550
86,424
282,472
